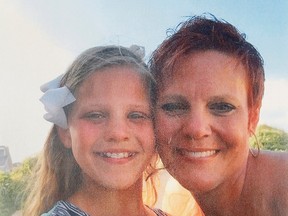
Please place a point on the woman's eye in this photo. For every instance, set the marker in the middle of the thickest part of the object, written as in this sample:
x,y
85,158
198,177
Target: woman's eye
x,y
138,115
221,108
175,108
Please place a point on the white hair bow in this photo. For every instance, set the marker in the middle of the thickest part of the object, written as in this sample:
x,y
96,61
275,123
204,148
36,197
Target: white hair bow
x,y
54,99
138,50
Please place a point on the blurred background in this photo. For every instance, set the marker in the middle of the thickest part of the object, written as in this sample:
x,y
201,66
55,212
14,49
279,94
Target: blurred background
x,y
39,39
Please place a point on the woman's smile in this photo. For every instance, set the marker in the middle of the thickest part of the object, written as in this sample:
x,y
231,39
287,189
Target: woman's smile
x,y
194,154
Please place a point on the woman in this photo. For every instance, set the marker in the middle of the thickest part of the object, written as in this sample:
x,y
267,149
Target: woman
x,y
210,87
102,143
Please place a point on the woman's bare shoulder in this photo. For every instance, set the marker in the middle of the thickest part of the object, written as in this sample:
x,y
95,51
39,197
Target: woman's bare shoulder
x,y
275,165
267,181
272,155
270,169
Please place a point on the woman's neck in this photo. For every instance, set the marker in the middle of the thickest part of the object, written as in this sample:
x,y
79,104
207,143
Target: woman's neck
x,y
224,199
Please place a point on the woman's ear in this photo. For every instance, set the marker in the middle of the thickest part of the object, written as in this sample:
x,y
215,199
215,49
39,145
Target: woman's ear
x,y
65,137
254,114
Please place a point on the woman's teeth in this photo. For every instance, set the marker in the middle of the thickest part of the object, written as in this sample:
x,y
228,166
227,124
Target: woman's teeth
x,y
200,154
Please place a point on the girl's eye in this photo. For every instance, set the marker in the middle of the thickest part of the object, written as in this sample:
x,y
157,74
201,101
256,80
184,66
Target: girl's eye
x,y
175,108
95,115
138,115
221,108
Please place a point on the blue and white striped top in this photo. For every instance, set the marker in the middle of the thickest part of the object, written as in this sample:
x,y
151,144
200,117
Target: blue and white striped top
x,y
64,208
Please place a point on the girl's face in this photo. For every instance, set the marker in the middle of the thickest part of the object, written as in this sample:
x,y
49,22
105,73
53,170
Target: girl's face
x,y
202,124
110,128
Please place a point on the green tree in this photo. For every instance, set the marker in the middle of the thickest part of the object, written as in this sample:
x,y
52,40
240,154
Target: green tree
x,y
270,138
12,187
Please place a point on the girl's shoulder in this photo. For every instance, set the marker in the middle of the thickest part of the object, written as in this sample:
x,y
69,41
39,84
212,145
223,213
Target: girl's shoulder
x,y
63,208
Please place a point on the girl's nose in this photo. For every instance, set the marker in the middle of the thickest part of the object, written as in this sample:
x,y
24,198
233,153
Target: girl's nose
x,y
117,130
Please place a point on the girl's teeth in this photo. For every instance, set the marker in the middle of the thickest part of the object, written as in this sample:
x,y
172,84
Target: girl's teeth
x,y
116,155
201,154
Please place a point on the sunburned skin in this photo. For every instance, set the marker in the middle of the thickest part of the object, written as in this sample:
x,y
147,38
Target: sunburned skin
x,y
201,121
203,125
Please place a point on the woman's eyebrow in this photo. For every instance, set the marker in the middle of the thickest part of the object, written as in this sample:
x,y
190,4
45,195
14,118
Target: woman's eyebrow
x,y
223,97
174,97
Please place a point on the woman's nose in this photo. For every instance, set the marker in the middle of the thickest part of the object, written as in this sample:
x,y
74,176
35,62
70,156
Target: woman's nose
x,y
196,125
117,130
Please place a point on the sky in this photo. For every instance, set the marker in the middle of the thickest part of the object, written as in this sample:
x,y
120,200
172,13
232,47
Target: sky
x,y
40,38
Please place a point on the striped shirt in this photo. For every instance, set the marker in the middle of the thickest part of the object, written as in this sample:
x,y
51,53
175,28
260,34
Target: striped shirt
x,y
64,208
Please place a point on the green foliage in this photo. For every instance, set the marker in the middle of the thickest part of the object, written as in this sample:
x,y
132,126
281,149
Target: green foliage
x,y
270,138
12,187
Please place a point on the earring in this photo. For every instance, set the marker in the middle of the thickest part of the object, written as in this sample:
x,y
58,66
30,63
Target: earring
x,y
258,146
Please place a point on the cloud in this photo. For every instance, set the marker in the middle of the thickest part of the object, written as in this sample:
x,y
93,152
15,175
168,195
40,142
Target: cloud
x,y
274,110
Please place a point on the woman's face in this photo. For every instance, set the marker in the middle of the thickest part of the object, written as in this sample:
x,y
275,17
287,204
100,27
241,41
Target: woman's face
x,y
202,121
110,128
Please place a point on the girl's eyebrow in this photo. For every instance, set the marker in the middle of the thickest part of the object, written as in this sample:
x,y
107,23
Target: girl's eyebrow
x,y
103,105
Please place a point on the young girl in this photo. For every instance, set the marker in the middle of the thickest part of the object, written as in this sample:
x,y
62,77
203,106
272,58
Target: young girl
x,y
102,143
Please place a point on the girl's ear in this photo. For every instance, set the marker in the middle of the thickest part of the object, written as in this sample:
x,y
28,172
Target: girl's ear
x,y
253,118
65,137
